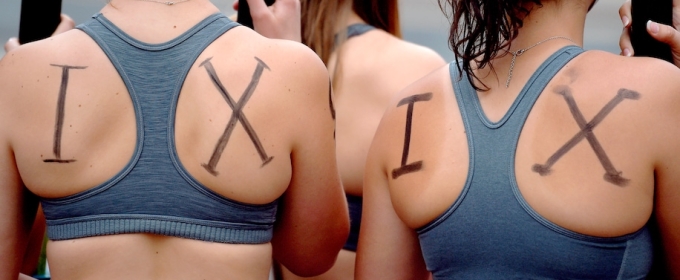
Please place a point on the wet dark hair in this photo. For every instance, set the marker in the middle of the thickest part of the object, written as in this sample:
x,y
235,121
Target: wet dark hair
x,y
480,29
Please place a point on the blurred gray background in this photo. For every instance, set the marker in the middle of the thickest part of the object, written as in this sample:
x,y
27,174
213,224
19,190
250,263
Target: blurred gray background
x,y
422,22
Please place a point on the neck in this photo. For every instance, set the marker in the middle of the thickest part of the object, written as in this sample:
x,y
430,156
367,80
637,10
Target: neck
x,y
159,9
344,21
156,22
554,18
353,18
563,21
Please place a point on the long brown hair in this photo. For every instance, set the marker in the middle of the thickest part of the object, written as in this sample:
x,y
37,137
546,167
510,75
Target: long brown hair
x,y
320,19
482,28
383,14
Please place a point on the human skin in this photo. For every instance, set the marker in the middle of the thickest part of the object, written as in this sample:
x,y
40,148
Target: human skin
x,y
312,221
30,261
637,136
374,67
65,24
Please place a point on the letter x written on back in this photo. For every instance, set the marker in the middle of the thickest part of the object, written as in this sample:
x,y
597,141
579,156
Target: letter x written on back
x,y
612,175
236,115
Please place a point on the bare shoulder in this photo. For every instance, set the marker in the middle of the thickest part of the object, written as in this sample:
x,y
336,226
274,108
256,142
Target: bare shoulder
x,y
284,55
432,94
641,72
656,85
68,45
420,147
302,65
296,59
409,53
438,81
383,64
293,75
292,68
400,55
605,73
34,59
26,70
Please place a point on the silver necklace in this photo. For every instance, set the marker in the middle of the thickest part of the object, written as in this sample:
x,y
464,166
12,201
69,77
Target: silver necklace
x,y
169,3
517,53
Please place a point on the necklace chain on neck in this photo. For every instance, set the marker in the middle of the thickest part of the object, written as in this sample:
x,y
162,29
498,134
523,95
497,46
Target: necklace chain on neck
x,y
169,3
519,52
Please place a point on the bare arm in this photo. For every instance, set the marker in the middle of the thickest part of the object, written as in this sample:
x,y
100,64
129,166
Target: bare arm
x,y
667,199
667,168
313,223
667,204
35,240
18,207
387,249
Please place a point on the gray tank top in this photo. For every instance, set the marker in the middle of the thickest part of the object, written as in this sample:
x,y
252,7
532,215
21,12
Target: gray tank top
x,y
490,232
358,29
353,30
154,193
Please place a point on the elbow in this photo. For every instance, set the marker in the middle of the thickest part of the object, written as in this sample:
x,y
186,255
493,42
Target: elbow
x,y
320,255
314,267
316,264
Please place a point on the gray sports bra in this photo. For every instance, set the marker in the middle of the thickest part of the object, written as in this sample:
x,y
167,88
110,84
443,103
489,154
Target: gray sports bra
x,y
490,232
154,193
353,30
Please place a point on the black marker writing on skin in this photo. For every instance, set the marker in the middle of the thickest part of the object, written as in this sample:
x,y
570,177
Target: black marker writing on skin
x,y
61,102
612,175
236,115
405,167
330,102
330,99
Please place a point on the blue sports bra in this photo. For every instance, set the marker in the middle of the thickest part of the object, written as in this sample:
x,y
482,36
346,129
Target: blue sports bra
x,y
154,193
358,29
490,232
353,30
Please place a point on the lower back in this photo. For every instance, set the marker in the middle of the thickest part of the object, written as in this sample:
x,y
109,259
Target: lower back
x,y
145,256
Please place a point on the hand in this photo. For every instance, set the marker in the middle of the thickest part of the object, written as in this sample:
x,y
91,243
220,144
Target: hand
x,y
279,21
660,32
66,24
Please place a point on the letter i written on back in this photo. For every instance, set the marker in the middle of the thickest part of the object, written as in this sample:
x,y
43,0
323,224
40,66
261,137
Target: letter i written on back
x,y
406,167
